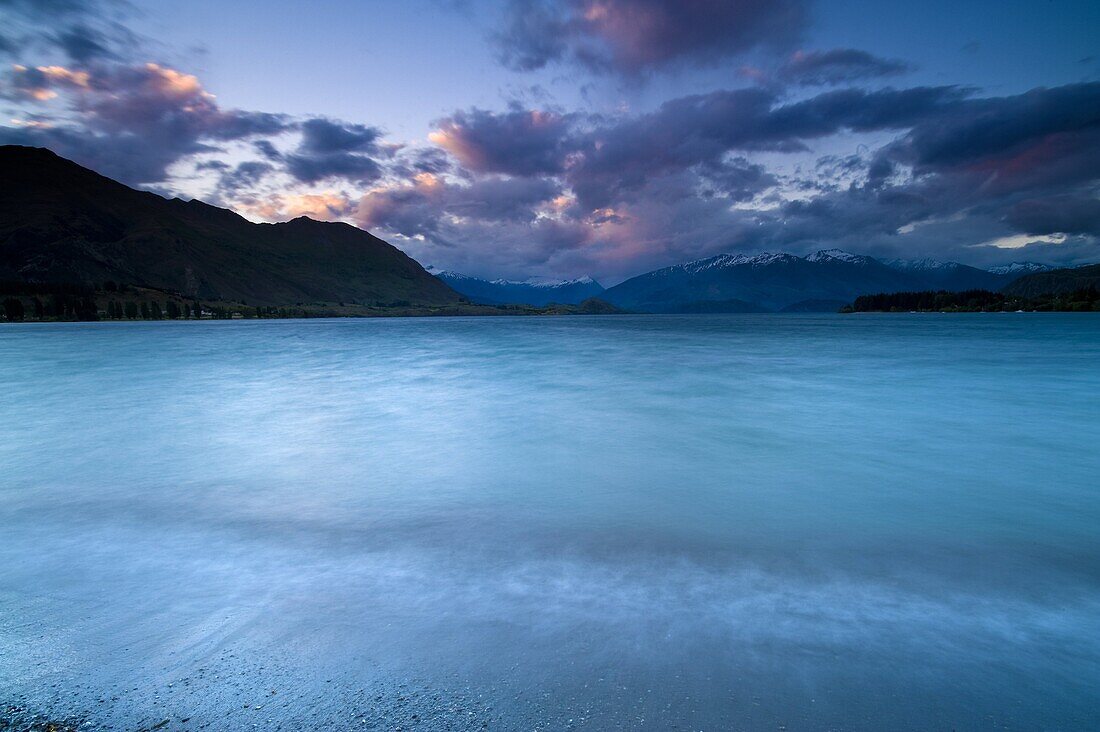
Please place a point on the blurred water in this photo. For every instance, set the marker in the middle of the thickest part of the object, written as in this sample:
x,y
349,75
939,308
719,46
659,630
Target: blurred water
x,y
699,522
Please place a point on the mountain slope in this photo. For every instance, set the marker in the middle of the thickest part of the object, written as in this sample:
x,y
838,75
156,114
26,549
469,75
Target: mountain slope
x,y
509,292
952,276
1056,282
60,222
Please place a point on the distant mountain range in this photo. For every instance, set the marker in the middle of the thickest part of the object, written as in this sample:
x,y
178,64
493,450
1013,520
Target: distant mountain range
x,y
61,223
822,281
526,292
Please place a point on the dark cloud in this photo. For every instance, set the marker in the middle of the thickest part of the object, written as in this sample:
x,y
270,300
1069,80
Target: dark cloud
x,y
702,129
837,66
421,206
409,163
736,178
323,137
83,30
217,165
8,44
501,199
534,34
245,176
604,161
517,142
267,150
84,44
1057,214
331,149
49,8
657,188
635,36
136,121
1004,127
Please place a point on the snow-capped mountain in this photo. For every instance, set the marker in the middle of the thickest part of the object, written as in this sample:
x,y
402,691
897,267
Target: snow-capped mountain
x,y
932,274
824,280
839,255
780,281
821,281
533,291
542,282
921,265
1020,268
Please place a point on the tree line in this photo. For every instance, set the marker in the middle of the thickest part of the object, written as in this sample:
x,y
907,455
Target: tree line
x,y
73,307
974,301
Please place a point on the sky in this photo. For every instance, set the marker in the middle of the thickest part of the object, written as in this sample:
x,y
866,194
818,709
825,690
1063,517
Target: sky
x,y
561,138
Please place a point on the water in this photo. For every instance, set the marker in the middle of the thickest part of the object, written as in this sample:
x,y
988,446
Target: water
x,y
653,522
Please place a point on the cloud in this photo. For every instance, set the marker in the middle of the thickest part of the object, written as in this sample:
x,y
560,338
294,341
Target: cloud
x,y
83,43
736,178
636,36
335,150
517,142
83,30
681,182
417,207
1056,214
532,189
242,177
702,129
322,206
330,150
608,159
1013,137
837,66
132,122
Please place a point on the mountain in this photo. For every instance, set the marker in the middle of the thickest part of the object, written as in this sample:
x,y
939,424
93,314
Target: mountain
x,y
1056,281
819,282
528,292
952,276
766,281
61,223
1020,268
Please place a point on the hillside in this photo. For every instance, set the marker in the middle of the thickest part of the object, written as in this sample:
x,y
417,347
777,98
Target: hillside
x,y
61,223
1056,282
955,277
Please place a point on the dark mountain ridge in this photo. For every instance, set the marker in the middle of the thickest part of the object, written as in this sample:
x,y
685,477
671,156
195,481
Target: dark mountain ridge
x,y
1056,282
60,222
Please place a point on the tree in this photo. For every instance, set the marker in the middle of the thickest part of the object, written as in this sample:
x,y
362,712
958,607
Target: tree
x,y
131,310
144,310
173,309
155,312
37,308
55,308
13,309
85,309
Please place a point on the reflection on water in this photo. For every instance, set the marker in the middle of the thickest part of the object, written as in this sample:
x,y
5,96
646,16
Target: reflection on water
x,y
624,522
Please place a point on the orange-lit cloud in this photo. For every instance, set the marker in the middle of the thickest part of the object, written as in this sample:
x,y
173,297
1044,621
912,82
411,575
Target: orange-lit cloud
x,y
323,206
177,82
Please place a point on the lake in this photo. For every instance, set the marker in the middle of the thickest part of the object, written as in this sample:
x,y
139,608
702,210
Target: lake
x,y
793,522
